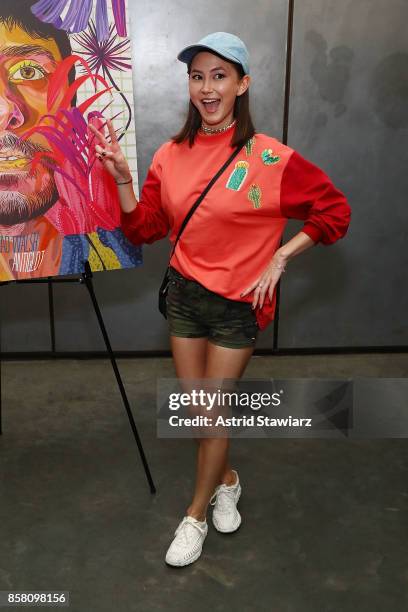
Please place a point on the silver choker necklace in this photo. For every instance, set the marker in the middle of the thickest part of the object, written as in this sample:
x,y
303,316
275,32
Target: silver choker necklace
x,y
208,130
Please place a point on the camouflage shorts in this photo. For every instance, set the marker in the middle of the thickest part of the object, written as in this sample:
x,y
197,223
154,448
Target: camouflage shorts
x,y
195,312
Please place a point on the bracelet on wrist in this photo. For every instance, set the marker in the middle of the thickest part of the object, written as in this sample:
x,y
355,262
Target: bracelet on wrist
x,y
124,182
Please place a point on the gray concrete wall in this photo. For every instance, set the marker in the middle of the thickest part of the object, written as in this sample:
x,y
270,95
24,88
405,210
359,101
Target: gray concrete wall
x,y
347,115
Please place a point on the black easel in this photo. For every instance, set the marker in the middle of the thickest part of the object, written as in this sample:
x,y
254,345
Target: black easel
x,y
86,279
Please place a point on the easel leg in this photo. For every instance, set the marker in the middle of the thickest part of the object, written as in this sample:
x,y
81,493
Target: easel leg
x,y
51,311
87,279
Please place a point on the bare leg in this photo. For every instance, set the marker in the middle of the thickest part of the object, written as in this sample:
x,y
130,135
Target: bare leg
x,y
212,457
189,356
190,359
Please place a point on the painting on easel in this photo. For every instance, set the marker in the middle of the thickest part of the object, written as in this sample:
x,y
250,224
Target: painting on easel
x,y
63,64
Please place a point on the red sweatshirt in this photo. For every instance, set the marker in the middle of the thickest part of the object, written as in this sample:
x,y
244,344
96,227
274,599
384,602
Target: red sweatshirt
x,y
234,233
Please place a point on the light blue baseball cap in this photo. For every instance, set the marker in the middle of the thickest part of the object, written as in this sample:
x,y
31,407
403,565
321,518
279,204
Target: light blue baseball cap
x,y
227,45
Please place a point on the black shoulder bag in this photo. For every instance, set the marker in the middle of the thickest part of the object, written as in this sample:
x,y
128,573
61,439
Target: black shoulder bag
x,y
165,284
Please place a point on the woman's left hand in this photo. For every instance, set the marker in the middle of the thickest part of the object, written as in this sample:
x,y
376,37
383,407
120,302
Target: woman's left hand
x,y
267,281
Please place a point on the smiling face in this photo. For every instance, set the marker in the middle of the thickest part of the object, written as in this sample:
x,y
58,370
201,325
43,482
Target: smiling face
x,y
214,85
26,64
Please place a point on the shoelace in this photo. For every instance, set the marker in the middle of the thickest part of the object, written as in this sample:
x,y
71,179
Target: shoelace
x,y
188,520
225,497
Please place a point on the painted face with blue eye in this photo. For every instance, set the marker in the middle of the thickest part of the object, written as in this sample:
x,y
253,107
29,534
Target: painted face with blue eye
x,y
214,85
26,66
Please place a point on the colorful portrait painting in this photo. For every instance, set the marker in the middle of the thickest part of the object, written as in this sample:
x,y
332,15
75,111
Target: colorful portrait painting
x,y
64,64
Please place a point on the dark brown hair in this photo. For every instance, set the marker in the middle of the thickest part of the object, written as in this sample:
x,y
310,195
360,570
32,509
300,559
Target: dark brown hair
x,y
244,127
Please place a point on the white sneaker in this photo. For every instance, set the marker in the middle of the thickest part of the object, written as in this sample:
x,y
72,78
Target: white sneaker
x,y
226,517
188,542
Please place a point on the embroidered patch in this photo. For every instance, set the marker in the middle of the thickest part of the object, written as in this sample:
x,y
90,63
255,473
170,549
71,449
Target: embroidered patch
x,y
238,176
249,147
255,195
269,158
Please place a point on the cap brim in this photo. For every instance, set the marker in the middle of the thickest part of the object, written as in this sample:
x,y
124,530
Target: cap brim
x,y
187,54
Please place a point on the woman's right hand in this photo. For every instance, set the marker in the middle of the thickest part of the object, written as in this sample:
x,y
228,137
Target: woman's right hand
x,y
110,153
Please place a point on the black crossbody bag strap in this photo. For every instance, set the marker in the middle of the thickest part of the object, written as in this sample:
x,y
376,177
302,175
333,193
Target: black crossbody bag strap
x,y
203,194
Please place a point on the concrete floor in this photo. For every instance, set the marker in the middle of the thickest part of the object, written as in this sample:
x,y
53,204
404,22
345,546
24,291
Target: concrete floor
x,y
324,521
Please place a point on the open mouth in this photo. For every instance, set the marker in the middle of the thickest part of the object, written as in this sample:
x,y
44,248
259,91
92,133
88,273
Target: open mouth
x,y
211,105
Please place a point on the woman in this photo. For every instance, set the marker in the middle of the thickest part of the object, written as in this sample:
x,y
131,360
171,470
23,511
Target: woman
x,y
228,261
